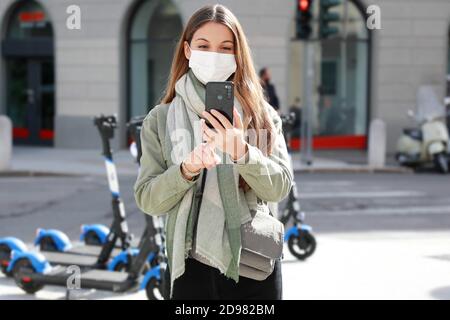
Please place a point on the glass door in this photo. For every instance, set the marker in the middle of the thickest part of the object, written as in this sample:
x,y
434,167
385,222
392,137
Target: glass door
x,y
30,100
46,97
16,99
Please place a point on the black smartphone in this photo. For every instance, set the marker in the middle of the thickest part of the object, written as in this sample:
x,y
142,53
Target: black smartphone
x,y
220,96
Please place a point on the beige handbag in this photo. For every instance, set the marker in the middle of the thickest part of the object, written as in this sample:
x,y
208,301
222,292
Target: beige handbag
x,y
262,244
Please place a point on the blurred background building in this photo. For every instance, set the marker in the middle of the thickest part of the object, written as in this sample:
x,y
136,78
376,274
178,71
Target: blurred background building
x,y
53,80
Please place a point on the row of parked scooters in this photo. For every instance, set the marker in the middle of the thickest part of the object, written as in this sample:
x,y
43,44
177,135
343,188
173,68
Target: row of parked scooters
x,y
108,259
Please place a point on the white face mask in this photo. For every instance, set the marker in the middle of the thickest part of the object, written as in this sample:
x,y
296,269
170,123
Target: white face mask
x,y
212,66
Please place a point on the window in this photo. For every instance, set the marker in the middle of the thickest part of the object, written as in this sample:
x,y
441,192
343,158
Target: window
x,y
154,31
341,84
29,20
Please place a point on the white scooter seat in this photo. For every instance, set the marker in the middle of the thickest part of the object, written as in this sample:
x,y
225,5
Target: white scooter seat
x,y
413,133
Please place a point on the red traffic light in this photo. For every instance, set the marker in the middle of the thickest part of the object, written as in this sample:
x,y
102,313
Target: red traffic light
x,y
303,19
303,5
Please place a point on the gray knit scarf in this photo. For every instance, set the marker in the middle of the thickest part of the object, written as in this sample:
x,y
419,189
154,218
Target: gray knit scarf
x,y
224,207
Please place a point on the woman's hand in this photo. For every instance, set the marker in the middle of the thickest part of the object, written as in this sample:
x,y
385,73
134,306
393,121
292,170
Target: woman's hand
x,y
229,138
202,157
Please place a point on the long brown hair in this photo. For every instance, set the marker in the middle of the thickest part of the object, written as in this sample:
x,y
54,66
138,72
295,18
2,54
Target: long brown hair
x,y
248,88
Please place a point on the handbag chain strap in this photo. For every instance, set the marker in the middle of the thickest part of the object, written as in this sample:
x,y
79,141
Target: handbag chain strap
x,y
198,198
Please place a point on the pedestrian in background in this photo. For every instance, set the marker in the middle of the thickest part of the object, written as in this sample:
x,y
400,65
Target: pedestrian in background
x,y
269,88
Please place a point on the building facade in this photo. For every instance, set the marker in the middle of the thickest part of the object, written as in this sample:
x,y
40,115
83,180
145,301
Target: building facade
x,y
54,80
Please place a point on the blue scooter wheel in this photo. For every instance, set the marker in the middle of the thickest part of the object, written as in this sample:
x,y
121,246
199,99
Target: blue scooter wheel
x,y
303,245
154,290
92,239
25,282
48,244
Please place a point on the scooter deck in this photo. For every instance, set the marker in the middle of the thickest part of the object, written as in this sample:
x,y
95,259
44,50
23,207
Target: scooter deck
x,y
92,279
67,259
90,250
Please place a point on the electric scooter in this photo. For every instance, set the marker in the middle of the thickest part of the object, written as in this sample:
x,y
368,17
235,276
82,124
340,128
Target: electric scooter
x,y
154,281
428,144
300,239
56,245
95,234
32,271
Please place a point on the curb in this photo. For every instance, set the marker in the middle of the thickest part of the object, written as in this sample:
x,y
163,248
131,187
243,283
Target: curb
x,y
30,173
355,169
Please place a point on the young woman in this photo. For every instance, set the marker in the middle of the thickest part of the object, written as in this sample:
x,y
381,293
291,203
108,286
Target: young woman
x,y
244,176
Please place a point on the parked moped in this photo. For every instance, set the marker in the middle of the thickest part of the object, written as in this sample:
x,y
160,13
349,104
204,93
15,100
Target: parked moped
x,y
429,143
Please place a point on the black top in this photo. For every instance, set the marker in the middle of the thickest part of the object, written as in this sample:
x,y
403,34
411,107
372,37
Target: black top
x,y
271,95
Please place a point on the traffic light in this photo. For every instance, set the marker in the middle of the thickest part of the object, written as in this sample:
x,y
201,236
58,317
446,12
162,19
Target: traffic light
x,y
303,19
326,17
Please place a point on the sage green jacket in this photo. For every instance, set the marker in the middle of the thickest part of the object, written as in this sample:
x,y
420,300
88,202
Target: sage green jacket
x,y
160,185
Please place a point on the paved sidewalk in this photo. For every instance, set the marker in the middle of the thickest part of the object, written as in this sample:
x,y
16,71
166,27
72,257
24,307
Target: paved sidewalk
x,y
342,161
373,265
44,160
41,160
378,265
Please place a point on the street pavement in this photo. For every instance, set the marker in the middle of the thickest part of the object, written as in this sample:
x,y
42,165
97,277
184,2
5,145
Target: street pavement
x,y
380,236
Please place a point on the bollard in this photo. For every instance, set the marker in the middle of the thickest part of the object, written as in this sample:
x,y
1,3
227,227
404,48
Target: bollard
x,y
5,143
377,144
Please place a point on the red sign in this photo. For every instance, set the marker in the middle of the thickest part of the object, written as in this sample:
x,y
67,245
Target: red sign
x,y
34,16
333,142
24,133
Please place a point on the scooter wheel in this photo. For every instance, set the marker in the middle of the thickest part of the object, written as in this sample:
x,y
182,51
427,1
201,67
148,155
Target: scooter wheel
x,y
303,245
122,267
48,244
154,290
5,258
24,282
91,238
441,162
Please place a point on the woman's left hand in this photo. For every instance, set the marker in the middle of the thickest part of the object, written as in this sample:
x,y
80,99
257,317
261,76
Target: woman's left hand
x,y
229,138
